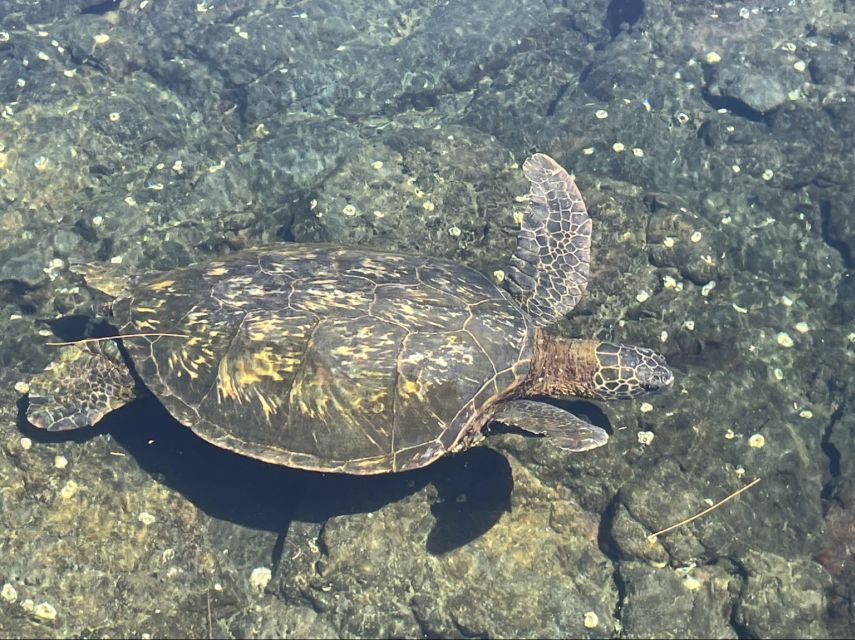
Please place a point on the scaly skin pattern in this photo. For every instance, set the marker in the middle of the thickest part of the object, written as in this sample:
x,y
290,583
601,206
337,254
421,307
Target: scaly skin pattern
x,y
593,369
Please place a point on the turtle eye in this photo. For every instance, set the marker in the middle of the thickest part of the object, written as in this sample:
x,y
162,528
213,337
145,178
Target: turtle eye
x,y
628,371
652,371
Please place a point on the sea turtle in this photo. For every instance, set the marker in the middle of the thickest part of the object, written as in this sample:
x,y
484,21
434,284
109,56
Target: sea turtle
x,y
353,360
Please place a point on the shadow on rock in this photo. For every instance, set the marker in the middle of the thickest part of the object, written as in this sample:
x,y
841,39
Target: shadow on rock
x,y
473,488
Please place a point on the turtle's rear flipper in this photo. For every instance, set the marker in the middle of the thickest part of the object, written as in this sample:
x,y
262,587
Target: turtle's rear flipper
x,y
78,388
562,428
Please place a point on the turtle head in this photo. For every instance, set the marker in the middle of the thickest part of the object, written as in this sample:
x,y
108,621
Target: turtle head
x,y
626,371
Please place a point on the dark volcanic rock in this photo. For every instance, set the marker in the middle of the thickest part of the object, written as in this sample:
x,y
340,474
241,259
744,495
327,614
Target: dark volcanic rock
x,y
713,144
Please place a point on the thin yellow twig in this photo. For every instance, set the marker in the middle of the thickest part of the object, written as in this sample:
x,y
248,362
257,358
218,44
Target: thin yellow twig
x,y
210,624
126,335
652,537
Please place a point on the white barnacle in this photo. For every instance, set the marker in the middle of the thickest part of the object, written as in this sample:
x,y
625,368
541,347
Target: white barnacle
x,y
757,441
590,620
8,593
260,577
783,338
645,438
45,611
69,489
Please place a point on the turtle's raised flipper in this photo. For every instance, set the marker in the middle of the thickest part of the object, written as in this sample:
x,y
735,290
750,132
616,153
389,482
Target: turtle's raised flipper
x,y
549,269
562,428
78,388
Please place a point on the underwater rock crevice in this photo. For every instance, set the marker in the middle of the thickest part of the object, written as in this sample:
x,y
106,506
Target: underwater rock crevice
x,y
830,237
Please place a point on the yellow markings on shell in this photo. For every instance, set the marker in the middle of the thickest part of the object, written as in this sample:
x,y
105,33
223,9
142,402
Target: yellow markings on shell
x,y
217,271
305,409
324,399
160,286
225,384
259,365
197,317
268,405
236,376
148,324
370,265
187,364
411,388
375,403
190,372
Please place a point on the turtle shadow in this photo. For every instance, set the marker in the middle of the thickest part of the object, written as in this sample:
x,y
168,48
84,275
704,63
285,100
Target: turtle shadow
x,y
473,488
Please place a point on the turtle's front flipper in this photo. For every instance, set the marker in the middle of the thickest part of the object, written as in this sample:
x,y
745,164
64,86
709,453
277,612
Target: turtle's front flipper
x,y
562,428
78,388
549,269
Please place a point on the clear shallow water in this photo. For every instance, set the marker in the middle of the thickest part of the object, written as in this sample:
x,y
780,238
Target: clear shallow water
x,y
713,147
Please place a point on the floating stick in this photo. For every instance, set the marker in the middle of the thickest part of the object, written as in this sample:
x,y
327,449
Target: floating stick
x,y
126,335
652,537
